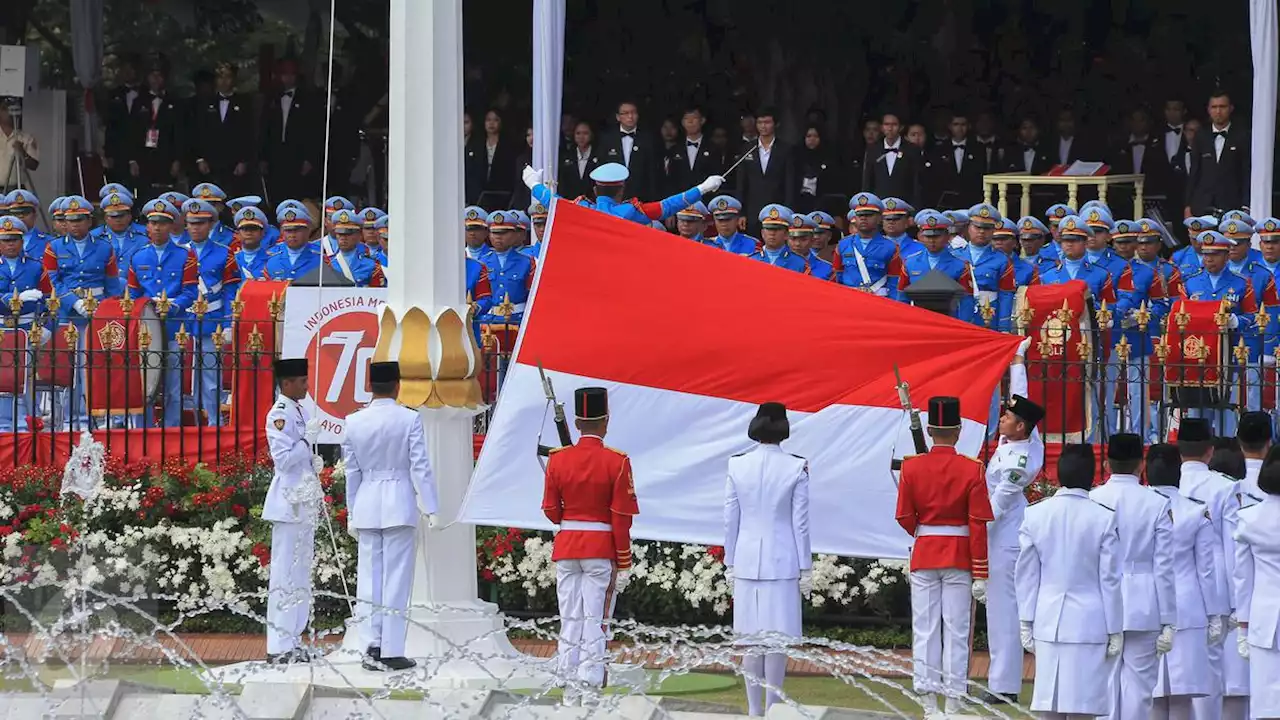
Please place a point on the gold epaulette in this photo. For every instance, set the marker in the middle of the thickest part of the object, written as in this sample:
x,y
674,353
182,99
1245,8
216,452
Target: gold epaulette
x,y
555,450
606,447
967,457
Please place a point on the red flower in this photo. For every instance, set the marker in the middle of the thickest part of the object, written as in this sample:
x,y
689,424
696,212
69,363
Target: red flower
x,y
58,543
6,530
341,516
487,575
328,499
238,511
716,552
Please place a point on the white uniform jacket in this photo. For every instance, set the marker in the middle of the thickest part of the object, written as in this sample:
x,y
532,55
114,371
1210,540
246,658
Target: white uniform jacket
x,y
1218,493
286,428
389,480
1068,572
1145,522
1195,572
1257,578
766,512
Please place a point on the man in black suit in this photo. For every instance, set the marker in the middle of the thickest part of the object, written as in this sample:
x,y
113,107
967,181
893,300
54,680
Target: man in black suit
x,y
892,166
1027,155
1140,153
954,169
769,175
119,122
1219,178
156,135
638,151
1175,146
692,161
1066,146
292,144
222,146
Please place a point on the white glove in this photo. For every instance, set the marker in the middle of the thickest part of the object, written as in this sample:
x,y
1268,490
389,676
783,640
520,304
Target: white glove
x,y
1024,636
1233,322
621,582
30,295
351,529
1269,360
312,433
1242,645
1023,347
1128,322
1164,642
1115,643
806,583
728,578
710,185
317,464
79,307
979,590
1215,629
433,521
532,178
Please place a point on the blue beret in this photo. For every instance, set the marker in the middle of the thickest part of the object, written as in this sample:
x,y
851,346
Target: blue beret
x,y
1055,213
250,215
1236,228
116,202
1269,227
696,211
1006,228
345,219
824,221
866,202
11,226
21,199
932,222
522,220
897,207
55,207
500,220
1125,231
1240,215
196,209
984,215
1214,241
801,223
370,215
1071,226
1199,224
474,216
294,214
382,222
1098,218
208,192
1147,228
537,211
610,174
76,206
244,201
337,202
725,206
1031,226
775,216
175,198
109,188
958,217
159,209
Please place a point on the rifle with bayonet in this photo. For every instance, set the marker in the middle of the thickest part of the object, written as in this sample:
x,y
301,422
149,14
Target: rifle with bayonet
x,y
917,431
562,425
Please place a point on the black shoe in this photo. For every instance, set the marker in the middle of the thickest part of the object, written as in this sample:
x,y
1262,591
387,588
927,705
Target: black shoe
x,y
995,698
298,655
373,652
395,664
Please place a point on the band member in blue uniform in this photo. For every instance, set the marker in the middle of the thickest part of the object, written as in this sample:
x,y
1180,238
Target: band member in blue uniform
x,y
691,222
369,229
217,199
897,216
119,228
1005,239
1054,216
800,242
350,260
298,257
25,277
218,280
1139,289
775,222
726,211
138,227
271,235
866,260
475,225
22,205
251,258
510,272
479,293
1188,258
935,235
824,235
1036,249
538,221
610,185
993,274
383,226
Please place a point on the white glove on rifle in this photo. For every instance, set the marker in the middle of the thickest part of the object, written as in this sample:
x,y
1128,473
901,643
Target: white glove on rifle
x,y
1115,644
31,295
532,178
317,464
1215,629
1024,636
1164,642
1023,347
312,433
979,590
728,578
710,185
1242,645
621,582
433,521
806,583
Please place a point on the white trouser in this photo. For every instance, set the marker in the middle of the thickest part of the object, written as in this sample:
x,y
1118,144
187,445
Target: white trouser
x,y
1177,707
940,607
384,580
1209,707
1003,639
289,584
1136,675
764,675
584,589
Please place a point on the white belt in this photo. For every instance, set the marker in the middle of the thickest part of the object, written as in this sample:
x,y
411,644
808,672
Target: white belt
x,y
516,309
214,305
215,288
584,525
94,291
942,531
1138,567
380,475
988,295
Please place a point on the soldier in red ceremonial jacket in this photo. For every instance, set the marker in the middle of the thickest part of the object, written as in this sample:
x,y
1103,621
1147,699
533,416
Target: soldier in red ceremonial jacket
x,y
590,494
943,504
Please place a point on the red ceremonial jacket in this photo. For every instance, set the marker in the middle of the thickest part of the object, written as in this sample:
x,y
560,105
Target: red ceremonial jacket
x,y
944,488
589,482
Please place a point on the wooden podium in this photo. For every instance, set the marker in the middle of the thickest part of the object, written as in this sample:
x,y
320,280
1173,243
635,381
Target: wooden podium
x,y
1002,181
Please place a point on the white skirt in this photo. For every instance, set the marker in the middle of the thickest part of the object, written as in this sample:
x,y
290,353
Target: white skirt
x,y
1185,670
1235,669
761,606
1264,681
1072,678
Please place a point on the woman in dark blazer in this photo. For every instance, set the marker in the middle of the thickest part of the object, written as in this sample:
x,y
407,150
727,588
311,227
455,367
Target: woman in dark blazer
x,y
817,168
577,162
499,153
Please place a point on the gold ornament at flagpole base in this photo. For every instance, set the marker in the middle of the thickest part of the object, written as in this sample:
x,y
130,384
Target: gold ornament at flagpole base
x,y
449,382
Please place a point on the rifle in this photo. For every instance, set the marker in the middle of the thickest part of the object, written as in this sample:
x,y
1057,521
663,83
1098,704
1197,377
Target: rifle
x,y
562,425
917,431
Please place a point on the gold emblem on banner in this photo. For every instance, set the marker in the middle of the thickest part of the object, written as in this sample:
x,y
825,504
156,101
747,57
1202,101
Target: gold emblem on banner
x,y
1054,336
1195,348
111,336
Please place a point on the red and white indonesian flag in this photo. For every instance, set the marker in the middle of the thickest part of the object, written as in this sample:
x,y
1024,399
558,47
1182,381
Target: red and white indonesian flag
x,y
689,340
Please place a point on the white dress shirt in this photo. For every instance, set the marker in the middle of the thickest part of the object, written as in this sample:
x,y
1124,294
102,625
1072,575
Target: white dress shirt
x,y
1064,149
286,104
1028,158
1172,141
628,144
224,104
1139,152
691,151
958,150
765,153
584,157
1219,141
891,154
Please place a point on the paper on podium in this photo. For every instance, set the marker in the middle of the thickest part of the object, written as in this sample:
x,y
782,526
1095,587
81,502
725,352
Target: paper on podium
x,y
1080,168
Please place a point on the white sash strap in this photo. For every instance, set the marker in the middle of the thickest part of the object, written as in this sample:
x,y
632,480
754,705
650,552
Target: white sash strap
x,y
942,531
862,263
988,295
584,525
345,267
246,272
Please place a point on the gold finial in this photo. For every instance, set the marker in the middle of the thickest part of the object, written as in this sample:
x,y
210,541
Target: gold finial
x,y
1025,314
1102,315
1182,318
275,306
72,335
36,333
1064,313
90,305
506,309
489,341
144,336
237,305
218,339
15,308
1123,348
1241,352
1223,316
163,304
1083,346
1161,350
126,303
200,306
1142,316
254,340
986,311
53,304
1262,318
182,336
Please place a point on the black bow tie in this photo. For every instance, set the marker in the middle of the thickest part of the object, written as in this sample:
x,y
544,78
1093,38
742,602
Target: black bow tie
x,y
1132,143
1220,133
629,134
1172,129
692,143
223,97
957,146
287,93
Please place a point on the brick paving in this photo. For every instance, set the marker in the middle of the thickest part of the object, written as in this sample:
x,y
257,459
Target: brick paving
x,y
218,649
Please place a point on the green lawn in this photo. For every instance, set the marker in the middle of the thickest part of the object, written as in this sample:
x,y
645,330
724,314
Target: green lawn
x,y
700,687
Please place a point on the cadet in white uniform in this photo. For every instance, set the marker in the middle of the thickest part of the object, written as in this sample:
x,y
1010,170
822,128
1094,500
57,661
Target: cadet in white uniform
x,y
1145,523
1069,598
1015,463
291,507
1217,492
1183,672
389,484
766,546
1257,589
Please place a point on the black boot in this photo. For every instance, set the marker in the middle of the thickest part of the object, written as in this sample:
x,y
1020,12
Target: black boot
x,y
398,663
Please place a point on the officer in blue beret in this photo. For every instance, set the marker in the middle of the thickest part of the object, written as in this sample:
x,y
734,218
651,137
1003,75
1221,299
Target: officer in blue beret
x,y
775,222
538,221
369,231
218,279
116,188
22,205
510,272
691,223
351,260
271,233
800,237
1188,258
896,219
995,282
1037,248
866,259
726,212
823,237
298,257
1242,255
220,232
333,205
959,228
935,236
610,181
118,227
1005,240
24,277
251,258
475,224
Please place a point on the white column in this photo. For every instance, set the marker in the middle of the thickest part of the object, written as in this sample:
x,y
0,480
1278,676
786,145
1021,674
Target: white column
x,y
548,83
1263,39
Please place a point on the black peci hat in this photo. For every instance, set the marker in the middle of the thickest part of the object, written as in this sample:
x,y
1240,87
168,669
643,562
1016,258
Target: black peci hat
x,y
770,425
384,372
1076,466
591,403
1030,412
1124,447
944,413
1254,428
291,368
1194,430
